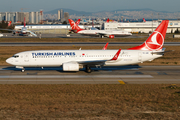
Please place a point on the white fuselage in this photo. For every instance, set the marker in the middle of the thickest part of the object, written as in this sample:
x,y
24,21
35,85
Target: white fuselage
x,y
55,58
104,32
1,35
24,30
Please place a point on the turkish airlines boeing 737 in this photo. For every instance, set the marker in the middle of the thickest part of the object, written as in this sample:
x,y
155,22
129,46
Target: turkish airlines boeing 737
x,y
101,33
73,60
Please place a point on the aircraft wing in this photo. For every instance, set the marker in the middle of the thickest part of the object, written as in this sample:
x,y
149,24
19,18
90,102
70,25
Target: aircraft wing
x,y
33,33
92,62
9,29
104,34
100,62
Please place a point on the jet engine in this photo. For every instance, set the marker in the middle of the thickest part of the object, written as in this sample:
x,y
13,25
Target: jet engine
x,y
111,36
70,67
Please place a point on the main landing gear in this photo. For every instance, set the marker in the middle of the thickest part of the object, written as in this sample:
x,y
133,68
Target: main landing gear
x,y
88,69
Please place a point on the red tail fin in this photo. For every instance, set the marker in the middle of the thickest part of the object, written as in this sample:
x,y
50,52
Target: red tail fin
x,y
74,26
9,23
24,22
156,39
107,20
144,20
92,23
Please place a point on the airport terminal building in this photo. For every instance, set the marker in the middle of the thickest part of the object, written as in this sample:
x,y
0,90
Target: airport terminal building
x,y
133,27
52,29
141,27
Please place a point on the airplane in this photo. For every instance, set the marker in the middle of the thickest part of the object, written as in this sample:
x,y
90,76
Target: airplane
x,y
83,21
73,60
100,33
23,30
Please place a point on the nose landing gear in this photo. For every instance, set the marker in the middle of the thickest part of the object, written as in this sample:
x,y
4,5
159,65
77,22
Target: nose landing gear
x,y
23,70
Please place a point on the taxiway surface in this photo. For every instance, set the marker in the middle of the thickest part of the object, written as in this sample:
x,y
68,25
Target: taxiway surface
x,y
106,75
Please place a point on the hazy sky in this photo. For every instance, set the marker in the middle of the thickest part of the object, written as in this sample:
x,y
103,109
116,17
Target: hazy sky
x,y
89,5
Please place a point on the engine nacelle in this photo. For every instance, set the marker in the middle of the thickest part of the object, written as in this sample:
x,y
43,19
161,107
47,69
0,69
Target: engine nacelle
x,y
70,67
111,36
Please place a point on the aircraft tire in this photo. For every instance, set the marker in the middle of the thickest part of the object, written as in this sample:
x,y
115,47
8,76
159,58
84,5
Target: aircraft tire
x,y
88,69
23,70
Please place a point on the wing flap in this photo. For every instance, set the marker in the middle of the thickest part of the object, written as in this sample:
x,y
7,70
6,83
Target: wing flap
x,y
93,62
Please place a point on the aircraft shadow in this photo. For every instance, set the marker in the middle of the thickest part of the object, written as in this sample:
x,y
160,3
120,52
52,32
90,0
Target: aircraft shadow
x,y
59,69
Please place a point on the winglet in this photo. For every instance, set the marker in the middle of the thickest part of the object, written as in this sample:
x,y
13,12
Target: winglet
x,y
105,47
116,55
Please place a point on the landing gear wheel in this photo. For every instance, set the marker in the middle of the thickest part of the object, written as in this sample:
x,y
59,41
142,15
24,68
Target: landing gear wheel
x,y
101,36
88,69
23,70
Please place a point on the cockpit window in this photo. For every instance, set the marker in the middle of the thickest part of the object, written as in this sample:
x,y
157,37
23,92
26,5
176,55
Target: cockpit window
x,y
15,56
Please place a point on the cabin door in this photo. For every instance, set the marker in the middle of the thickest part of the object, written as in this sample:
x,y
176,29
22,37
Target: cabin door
x,y
26,57
139,56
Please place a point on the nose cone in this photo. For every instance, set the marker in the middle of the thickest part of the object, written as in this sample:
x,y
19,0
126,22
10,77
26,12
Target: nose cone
x,y
9,60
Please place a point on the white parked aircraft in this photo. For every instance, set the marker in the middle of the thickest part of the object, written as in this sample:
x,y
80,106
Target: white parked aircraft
x,y
100,33
73,60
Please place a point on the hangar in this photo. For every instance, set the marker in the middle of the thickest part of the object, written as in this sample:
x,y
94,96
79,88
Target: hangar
x,y
141,27
133,27
52,29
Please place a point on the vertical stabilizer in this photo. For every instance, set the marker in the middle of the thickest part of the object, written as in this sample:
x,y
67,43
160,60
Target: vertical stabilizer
x,y
107,20
74,26
144,20
24,22
155,40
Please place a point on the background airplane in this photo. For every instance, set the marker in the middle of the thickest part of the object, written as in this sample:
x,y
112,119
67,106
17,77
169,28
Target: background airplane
x,y
73,60
100,33
23,31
